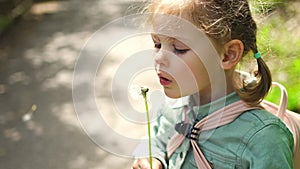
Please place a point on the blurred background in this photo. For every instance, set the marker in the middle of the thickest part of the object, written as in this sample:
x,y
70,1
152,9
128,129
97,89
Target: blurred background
x,y
40,41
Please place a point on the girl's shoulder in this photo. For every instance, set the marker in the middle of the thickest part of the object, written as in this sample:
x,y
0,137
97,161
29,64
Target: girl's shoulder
x,y
260,117
261,121
266,139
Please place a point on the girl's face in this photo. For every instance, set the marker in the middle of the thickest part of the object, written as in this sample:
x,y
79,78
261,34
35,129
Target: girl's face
x,y
179,69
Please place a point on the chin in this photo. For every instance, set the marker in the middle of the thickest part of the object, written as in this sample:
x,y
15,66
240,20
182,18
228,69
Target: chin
x,y
172,95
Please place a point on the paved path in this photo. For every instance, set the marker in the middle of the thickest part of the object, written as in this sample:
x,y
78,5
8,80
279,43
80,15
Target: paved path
x,y
38,125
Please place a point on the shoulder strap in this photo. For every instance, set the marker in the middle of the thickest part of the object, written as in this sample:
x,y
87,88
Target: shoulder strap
x,y
291,119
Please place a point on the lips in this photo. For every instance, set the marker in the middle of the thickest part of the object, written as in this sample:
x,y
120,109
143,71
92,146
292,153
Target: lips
x,y
164,80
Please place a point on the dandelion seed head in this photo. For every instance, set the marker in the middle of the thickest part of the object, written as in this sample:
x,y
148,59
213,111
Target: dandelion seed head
x,y
135,92
144,90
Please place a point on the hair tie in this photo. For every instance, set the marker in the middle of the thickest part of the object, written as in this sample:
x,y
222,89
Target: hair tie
x,y
257,55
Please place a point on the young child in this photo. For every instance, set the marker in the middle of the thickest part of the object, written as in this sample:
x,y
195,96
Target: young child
x,y
187,69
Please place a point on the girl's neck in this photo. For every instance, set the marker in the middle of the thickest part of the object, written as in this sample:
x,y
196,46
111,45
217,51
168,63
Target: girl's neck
x,y
202,98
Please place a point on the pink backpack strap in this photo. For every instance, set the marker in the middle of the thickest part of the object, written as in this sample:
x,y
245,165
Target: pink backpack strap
x,y
218,118
291,119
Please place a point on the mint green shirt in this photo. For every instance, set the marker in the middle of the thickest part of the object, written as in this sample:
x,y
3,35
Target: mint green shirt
x,y
256,139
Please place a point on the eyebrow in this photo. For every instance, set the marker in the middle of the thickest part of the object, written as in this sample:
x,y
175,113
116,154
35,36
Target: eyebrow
x,y
173,39
167,38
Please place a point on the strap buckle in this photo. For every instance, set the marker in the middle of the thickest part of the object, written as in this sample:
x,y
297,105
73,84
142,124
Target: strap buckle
x,y
188,130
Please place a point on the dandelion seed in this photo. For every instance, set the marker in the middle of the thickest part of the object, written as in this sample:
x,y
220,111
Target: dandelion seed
x,y
135,92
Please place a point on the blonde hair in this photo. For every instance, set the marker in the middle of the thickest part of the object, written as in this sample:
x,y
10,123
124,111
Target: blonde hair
x,y
222,21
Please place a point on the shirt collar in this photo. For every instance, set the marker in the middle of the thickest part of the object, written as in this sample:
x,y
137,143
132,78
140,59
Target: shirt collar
x,y
179,103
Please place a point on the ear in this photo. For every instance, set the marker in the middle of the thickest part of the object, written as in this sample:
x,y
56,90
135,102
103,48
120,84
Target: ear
x,y
233,52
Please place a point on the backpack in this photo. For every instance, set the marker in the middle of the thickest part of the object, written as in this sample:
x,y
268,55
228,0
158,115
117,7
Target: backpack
x,y
291,119
232,111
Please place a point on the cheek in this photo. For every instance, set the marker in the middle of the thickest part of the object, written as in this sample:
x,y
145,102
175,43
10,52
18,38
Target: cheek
x,y
198,77
200,72
187,78
189,73
201,75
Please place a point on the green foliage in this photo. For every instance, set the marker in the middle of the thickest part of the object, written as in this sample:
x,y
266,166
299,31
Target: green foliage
x,y
4,22
266,6
279,41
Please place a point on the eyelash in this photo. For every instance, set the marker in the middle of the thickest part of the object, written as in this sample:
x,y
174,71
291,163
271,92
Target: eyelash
x,y
176,51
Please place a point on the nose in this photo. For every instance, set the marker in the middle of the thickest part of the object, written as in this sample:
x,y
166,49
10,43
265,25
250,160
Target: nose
x,y
161,59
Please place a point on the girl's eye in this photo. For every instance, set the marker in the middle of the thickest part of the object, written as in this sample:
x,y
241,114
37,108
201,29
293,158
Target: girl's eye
x,y
180,51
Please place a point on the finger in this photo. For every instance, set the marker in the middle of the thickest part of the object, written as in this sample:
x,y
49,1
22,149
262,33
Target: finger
x,y
141,164
144,164
135,164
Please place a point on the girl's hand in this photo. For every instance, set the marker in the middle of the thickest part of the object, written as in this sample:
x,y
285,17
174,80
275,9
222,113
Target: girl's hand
x,y
144,164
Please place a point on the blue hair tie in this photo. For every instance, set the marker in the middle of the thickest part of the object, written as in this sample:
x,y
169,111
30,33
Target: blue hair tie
x,y
257,55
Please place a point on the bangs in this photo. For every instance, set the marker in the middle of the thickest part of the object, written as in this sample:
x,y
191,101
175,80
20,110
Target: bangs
x,y
176,8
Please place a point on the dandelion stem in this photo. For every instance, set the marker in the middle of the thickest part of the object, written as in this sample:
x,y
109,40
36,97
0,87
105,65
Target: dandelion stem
x,y
144,93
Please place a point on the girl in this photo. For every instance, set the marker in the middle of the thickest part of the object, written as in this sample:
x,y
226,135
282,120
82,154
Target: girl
x,y
187,69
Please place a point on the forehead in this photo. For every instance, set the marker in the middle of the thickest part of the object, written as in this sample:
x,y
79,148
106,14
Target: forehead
x,y
173,27
179,28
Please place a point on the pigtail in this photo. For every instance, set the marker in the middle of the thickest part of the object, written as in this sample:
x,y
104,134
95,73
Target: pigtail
x,y
253,93
264,79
